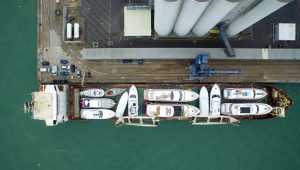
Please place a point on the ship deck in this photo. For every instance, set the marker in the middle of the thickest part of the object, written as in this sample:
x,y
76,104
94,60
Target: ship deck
x,y
281,100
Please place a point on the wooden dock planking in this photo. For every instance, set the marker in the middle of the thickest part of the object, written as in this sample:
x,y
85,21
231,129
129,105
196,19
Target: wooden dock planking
x,y
177,71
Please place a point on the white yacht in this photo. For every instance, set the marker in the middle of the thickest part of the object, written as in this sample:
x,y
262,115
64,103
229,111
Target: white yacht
x,y
114,92
133,105
245,109
215,100
50,104
97,103
122,105
204,101
171,110
92,93
96,114
244,93
170,95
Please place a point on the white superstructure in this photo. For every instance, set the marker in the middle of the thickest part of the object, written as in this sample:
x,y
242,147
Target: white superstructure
x,y
50,104
189,15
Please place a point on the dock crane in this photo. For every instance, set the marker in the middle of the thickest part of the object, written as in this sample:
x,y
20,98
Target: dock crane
x,y
199,69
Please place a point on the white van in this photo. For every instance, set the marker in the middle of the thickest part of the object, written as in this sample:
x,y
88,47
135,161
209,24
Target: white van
x,y
45,69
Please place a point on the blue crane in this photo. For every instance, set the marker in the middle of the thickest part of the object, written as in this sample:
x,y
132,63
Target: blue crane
x,y
228,49
199,68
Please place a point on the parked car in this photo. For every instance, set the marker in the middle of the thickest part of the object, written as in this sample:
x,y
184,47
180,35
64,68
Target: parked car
x,y
57,12
45,69
45,63
72,67
64,73
54,70
64,61
78,73
65,67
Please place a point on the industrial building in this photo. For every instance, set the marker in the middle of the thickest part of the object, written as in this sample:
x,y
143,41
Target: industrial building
x,y
158,40
188,23
194,19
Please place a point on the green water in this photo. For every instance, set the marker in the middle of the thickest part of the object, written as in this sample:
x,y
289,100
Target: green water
x,y
28,144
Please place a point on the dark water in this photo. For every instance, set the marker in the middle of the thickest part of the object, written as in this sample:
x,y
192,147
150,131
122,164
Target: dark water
x,y
28,144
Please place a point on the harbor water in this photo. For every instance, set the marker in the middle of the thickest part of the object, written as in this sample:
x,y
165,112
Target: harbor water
x,y
28,144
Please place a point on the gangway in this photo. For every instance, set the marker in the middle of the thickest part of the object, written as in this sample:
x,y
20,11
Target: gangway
x,y
144,121
215,120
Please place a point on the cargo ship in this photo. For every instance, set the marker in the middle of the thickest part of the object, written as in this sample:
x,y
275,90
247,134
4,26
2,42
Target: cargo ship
x,y
148,104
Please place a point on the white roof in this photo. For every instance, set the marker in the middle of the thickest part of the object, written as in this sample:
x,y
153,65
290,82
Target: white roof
x,y
137,22
287,31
